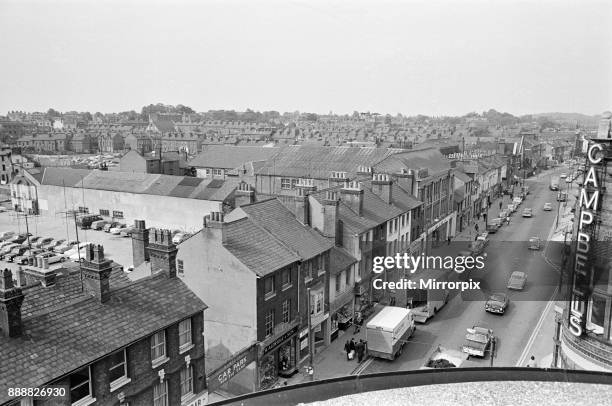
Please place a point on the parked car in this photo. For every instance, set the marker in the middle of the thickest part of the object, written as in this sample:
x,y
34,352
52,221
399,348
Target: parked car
x,y
477,340
54,243
503,214
527,212
116,230
547,206
17,251
65,246
3,209
180,237
517,201
85,222
74,252
5,243
98,224
5,235
563,175
517,280
52,257
498,221
492,228
497,303
18,239
483,237
30,241
511,208
7,249
23,258
42,242
109,225
561,196
127,231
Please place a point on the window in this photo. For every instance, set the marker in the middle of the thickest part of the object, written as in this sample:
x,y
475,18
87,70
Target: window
x,y
338,282
83,210
186,381
104,212
316,302
597,313
269,322
269,287
117,367
185,333
179,267
286,278
218,172
117,214
158,346
80,385
286,183
160,394
286,311
348,277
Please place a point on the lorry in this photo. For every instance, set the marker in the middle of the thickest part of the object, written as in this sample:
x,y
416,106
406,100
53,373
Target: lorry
x,y
387,332
442,357
554,183
426,302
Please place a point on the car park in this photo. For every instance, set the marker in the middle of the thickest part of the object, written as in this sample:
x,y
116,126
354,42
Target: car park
x,y
30,241
517,280
547,207
497,303
527,212
23,258
54,243
7,249
15,252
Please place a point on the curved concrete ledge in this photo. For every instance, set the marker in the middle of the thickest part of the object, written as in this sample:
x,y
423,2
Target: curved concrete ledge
x,y
332,388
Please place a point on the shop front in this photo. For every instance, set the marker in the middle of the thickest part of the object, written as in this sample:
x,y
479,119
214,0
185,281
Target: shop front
x,y
341,314
278,357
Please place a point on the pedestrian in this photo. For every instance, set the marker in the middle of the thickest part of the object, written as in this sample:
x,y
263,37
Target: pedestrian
x,y
508,220
352,346
500,204
532,363
449,239
360,348
347,348
476,227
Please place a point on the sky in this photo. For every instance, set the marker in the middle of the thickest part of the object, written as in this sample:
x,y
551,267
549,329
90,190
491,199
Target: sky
x,y
412,57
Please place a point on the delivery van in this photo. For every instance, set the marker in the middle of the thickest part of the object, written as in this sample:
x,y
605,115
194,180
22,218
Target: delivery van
x,y
387,332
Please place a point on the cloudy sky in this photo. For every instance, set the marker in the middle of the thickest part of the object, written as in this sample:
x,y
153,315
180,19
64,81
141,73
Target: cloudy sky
x,y
410,57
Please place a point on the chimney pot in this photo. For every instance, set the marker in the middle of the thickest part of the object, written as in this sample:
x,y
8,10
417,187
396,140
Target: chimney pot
x,y
11,299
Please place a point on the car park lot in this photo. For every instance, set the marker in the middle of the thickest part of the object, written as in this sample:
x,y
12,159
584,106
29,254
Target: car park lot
x,y
116,247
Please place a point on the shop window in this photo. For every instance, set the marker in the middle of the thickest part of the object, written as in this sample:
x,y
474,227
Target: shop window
x,y
186,382
286,311
269,287
597,311
269,323
286,278
268,371
160,394
80,385
184,334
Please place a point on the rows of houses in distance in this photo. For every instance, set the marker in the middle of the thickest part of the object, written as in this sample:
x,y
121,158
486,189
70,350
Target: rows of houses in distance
x,y
277,229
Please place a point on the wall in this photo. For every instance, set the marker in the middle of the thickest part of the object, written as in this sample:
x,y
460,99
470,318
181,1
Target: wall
x,y
157,211
133,162
228,287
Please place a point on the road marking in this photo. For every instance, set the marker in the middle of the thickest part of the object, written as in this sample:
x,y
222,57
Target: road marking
x,y
362,367
536,330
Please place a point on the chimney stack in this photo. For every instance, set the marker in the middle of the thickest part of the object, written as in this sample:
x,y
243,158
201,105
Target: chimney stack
x,y
140,243
303,188
381,186
163,252
244,195
11,299
405,179
352,195
215,221
96,272
331,205
364,170
337,178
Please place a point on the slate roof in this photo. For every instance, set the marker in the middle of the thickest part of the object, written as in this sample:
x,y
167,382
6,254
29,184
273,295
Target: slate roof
x,y
256,248
230,156
141,183
339,260
282,224
318,161
462,176
430,158
81,330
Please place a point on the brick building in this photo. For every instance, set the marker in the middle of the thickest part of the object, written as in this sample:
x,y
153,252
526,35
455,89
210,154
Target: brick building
x,y
106,340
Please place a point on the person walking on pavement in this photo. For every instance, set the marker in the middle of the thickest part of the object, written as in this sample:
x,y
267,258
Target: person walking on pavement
x,y
500,204
532,363
359,348
449,239
352,346
347,349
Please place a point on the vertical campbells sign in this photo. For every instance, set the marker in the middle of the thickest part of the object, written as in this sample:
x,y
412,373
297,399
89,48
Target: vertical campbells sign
x,y
582,273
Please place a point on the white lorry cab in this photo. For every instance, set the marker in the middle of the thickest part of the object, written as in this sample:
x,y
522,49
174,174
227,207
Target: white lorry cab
x,y
387,332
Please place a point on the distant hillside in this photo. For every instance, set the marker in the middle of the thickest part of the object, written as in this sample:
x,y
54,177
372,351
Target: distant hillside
x,y
572,117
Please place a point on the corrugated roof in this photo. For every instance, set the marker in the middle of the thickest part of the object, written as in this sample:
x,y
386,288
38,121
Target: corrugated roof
x,y
231,156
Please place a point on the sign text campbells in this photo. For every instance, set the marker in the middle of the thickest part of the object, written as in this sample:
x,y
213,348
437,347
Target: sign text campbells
x,y
588,203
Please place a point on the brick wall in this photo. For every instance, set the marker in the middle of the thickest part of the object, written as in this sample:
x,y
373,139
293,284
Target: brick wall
x,y
276,303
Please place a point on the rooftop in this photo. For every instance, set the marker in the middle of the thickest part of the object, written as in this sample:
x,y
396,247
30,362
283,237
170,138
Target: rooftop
x,y
230,156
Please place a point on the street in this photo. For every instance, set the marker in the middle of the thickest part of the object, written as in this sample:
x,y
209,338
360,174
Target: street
x,y
507,252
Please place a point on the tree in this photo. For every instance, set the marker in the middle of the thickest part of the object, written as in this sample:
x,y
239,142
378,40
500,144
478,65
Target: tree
x,y
53,113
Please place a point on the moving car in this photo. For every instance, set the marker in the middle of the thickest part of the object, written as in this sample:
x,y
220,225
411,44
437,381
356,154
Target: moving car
x,y
535,243
387,332
547,207
527,212
65,246
517,280
477,340
52,257
497,303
